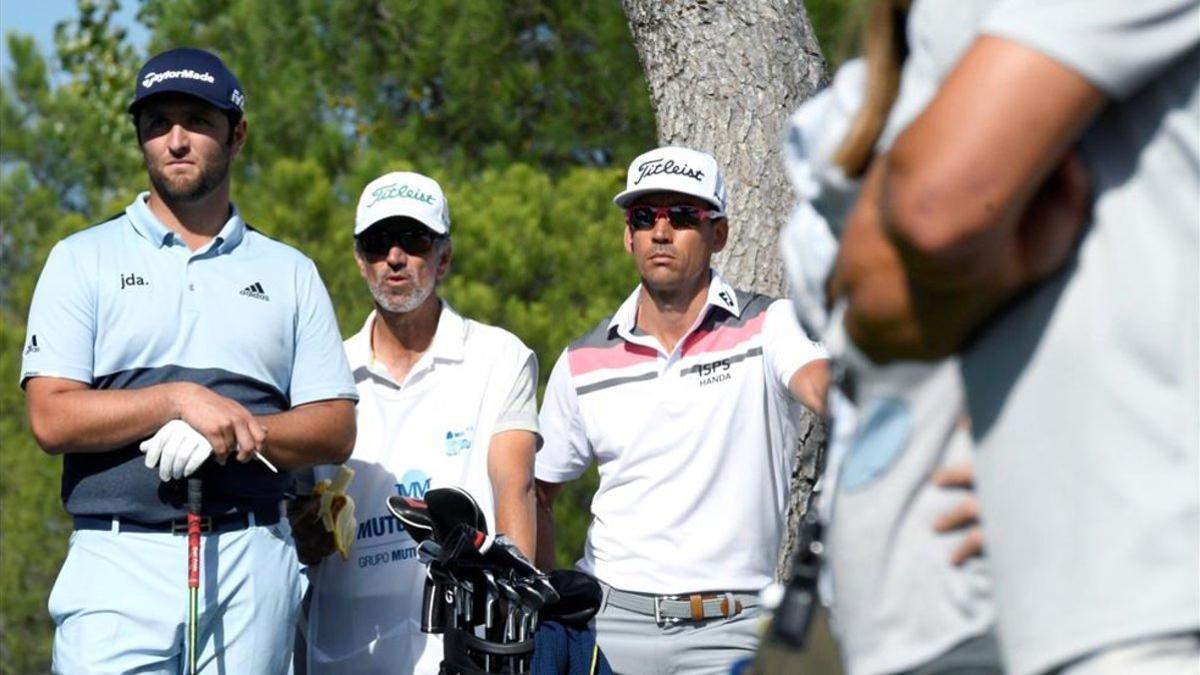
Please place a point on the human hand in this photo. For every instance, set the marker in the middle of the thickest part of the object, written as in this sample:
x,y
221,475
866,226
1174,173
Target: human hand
x,y
964,515
176,449
313,541
225,423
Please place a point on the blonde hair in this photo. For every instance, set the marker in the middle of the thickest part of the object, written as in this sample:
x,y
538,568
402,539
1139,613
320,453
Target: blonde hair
x,y
885,48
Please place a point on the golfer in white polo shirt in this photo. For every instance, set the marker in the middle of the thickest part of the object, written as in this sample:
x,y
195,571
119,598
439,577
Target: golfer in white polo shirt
x,y
687,399
443,400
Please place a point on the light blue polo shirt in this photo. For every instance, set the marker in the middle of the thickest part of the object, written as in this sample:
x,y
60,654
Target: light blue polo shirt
x,y
125,304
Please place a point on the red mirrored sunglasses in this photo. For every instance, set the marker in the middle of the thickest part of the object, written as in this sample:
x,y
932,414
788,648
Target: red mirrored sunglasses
x,y
681,216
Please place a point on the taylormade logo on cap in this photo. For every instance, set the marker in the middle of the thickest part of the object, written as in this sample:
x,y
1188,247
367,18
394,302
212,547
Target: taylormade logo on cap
x,y
674,169
151,79
403,194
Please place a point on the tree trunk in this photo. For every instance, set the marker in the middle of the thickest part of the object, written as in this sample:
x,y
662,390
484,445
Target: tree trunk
x,y
724,76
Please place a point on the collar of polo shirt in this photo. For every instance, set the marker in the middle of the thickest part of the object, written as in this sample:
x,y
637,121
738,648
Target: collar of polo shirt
x,y
720,294
447,344
149,226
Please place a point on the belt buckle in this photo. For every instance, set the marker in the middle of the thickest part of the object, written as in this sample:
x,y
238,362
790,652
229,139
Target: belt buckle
x,y
180,526
659,619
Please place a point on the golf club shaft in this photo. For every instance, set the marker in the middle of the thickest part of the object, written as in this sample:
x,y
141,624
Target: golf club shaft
x,y
193,579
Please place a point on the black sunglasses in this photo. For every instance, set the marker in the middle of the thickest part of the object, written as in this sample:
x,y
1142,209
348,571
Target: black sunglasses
x,y
681,216
379,241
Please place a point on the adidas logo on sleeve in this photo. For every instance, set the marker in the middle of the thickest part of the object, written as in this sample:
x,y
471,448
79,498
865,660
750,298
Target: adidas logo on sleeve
x,y
255,290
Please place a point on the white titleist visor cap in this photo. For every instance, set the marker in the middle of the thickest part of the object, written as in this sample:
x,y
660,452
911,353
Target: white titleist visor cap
x,y
674,169
403,194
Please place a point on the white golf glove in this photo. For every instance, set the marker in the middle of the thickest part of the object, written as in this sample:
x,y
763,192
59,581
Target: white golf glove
x,y
177,449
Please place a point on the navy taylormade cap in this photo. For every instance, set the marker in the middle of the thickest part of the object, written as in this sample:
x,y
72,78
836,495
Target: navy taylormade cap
x,y
194,72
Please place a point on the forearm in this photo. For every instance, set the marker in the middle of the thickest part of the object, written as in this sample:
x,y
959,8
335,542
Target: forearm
x,y
978,199
510,469
890,314
516,516
546,558
321,432
72,418
810,384
961,176
870,277
969,265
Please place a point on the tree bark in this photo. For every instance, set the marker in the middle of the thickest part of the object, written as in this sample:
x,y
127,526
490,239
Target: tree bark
x,y
724,76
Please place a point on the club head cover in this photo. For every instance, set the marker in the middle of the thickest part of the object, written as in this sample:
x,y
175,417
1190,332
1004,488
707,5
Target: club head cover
x,y
579,598
535,593
505,555
461,545
452,506
414,514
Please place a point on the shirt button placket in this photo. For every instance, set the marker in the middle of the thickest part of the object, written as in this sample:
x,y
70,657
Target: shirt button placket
x,y
190,302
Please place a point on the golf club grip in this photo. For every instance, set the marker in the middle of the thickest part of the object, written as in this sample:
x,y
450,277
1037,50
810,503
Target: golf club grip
x,y
193,525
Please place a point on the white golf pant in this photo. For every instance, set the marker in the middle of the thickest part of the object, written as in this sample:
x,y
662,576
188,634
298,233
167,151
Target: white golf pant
x,y
120,603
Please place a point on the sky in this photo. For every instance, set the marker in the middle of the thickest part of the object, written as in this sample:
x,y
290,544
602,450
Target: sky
x,y
37,18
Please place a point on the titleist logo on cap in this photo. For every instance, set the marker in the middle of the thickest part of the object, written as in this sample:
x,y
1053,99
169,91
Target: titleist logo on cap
x,y
653,167
392,191
151,79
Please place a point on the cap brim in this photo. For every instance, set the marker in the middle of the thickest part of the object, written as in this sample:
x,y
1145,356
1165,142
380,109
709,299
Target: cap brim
x,y
359,228
223,106
628,197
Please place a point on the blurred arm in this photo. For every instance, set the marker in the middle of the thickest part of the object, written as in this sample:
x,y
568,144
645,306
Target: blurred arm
x,y
977,200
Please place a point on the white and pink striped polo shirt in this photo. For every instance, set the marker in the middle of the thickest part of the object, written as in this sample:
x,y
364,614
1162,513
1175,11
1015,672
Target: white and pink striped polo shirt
x,y
694,446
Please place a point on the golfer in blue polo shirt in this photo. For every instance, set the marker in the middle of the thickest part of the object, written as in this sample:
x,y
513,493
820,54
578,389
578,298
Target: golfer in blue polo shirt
x,y
173,340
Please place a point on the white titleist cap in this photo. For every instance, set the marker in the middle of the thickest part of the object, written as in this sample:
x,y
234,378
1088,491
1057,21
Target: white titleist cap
x,y
673,169
403,194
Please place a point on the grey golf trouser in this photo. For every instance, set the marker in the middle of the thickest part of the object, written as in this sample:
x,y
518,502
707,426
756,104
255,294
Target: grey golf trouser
x,y
1168,655
979,655
635,645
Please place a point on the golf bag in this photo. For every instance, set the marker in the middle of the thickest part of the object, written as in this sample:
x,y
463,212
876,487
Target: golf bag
x,y
481,594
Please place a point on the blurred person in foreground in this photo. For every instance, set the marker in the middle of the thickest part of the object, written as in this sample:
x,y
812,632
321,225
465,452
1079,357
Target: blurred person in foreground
x,y
906,584
1079,337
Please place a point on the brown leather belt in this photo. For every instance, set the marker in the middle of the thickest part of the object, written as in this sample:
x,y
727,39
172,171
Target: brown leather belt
x,y
686,606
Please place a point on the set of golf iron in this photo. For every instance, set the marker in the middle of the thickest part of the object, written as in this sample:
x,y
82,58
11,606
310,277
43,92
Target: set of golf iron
x,y
480,592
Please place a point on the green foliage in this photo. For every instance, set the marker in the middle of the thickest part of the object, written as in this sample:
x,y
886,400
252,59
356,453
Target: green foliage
x,y
462,84
525,111
838,25
63,151
75,138
538,255
33,525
